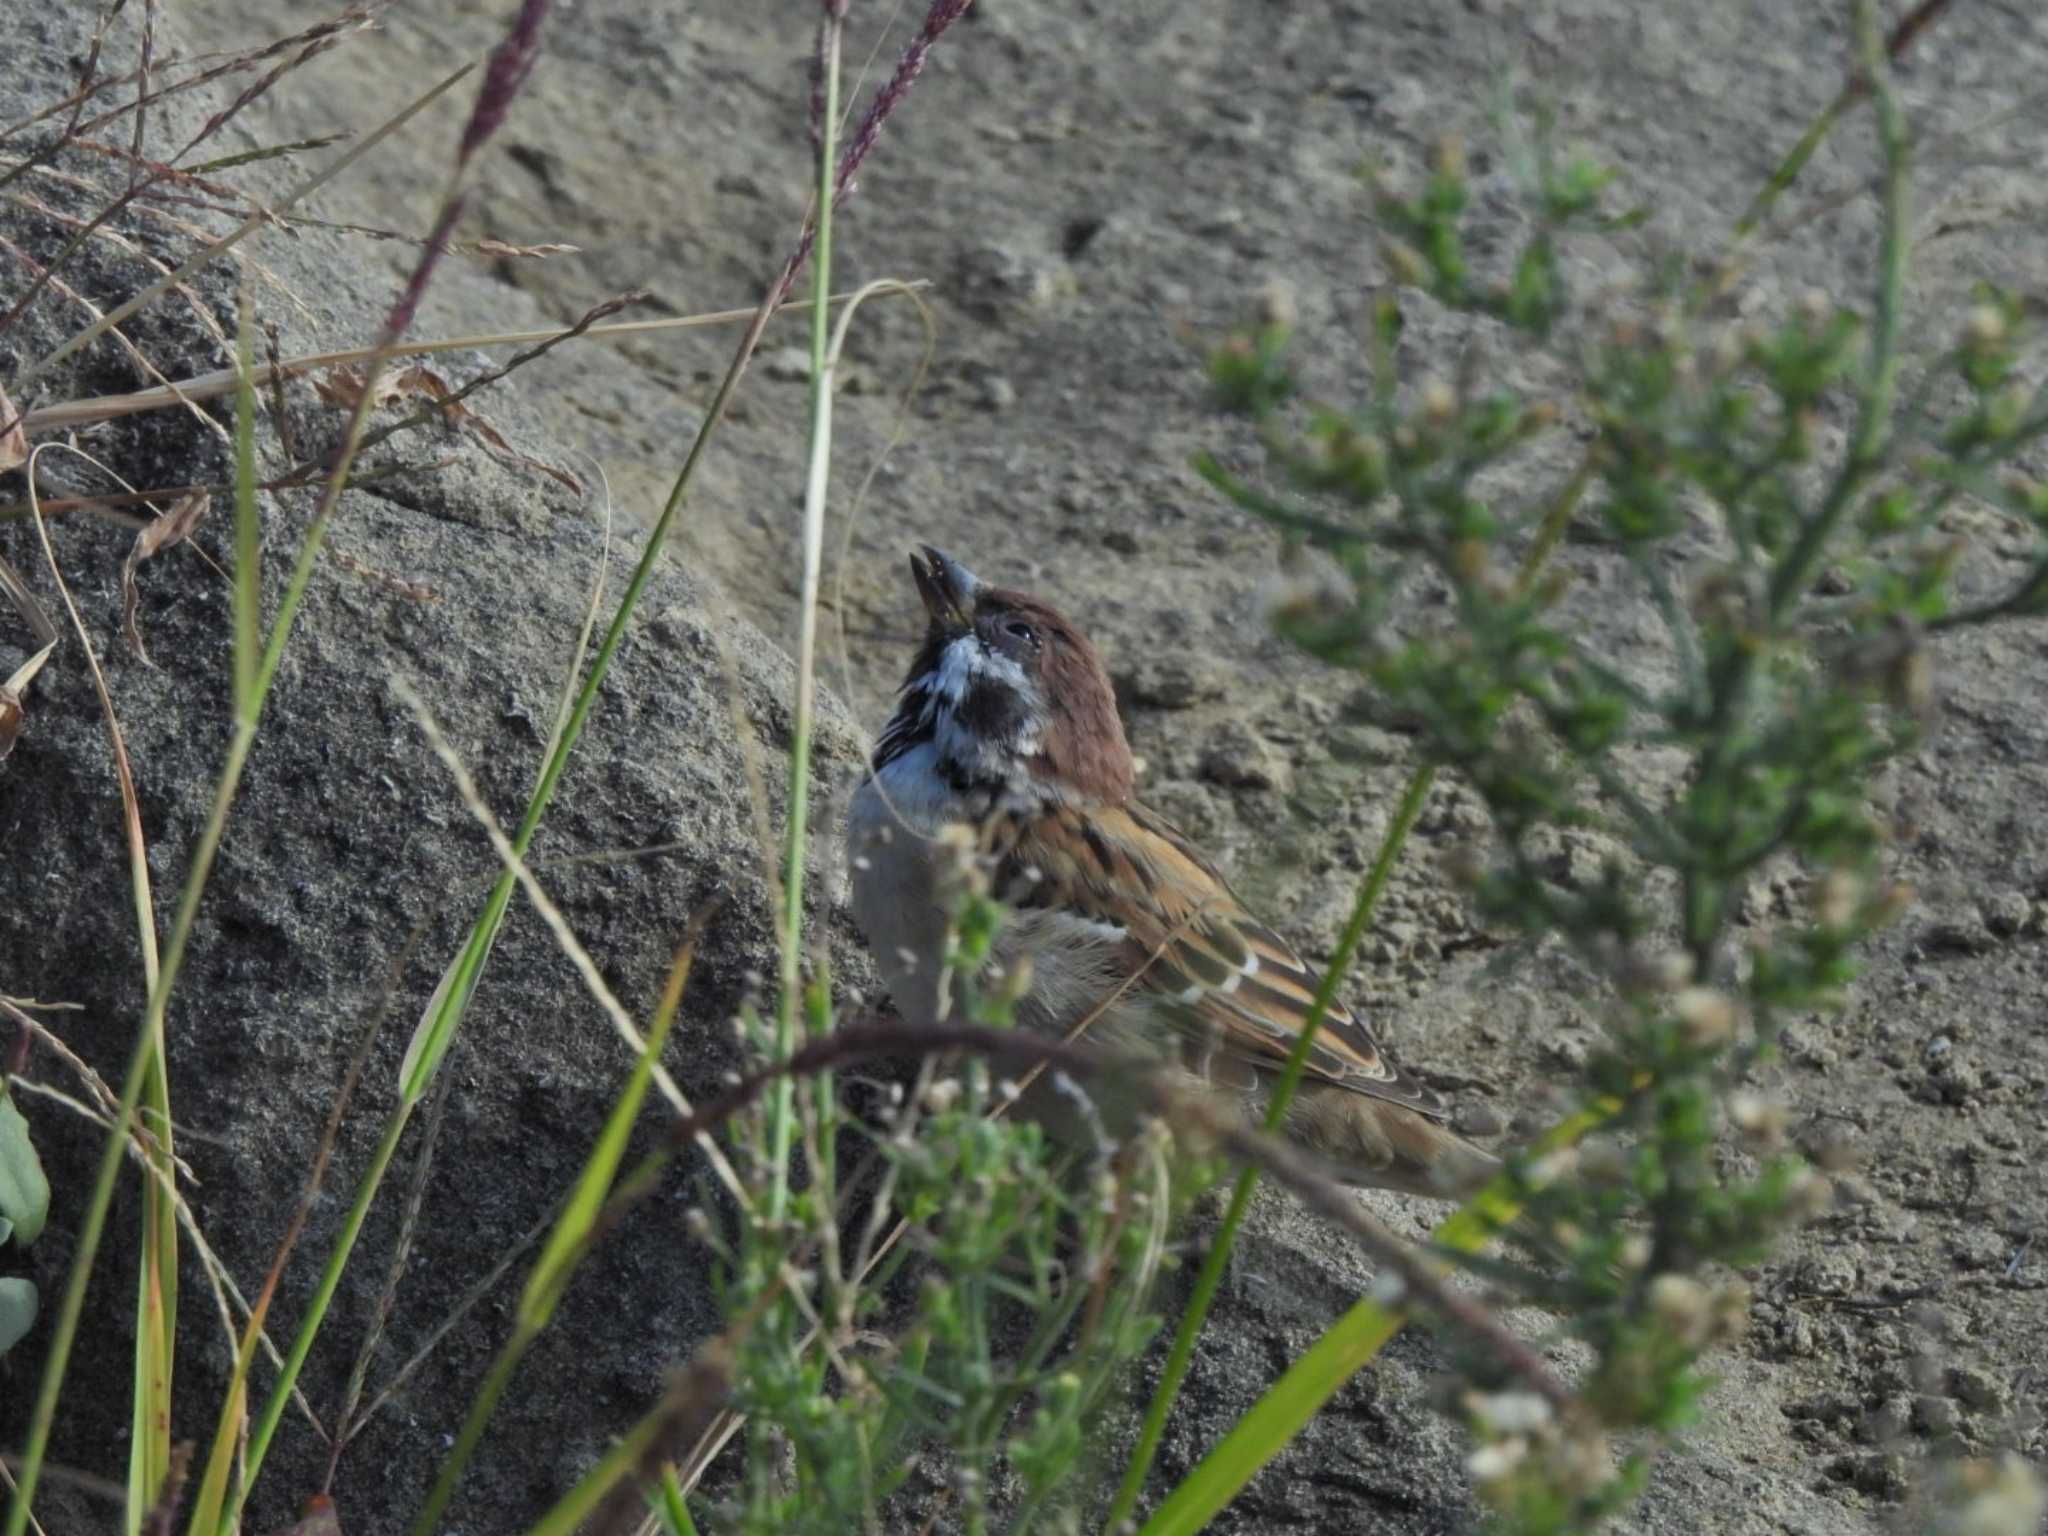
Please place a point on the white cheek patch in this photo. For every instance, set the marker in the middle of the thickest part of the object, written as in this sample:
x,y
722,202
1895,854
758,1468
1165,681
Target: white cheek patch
x,y
1002,669
956,670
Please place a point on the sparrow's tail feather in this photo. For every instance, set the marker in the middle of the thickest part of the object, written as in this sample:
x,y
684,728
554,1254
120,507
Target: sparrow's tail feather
x,y
1429,1159
1384,1145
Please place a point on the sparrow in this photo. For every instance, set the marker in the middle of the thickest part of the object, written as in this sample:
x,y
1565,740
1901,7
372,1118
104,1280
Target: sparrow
x,y
1006,742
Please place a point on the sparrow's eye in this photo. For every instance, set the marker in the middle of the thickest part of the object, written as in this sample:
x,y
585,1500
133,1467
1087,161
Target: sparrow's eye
x,y
1021,632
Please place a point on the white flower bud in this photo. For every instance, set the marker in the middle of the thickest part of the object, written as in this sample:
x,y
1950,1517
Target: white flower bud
x,y
2001,1498
1509,1413
1707,1016
1278,305
1731,1309
1758,1116
1491,1463
1682,1305
1552,1166
1809,1195
1835,903
1984,326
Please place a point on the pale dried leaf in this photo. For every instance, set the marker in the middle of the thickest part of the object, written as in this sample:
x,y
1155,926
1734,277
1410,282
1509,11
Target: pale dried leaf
x,y
174,527
12,694
25,603
383,578
342,387
14,440
26,672
419,379
494,440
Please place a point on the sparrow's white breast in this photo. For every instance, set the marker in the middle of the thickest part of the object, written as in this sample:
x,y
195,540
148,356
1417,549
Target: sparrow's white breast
x,y
900,894
892,876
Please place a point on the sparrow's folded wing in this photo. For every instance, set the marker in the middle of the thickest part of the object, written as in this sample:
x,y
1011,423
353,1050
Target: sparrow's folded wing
x,y
1227,977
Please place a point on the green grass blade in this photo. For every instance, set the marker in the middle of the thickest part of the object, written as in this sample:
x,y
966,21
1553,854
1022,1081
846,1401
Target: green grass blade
x,y
572,1231
782,1115
1276,1418
675,1512
581,1502
316,1311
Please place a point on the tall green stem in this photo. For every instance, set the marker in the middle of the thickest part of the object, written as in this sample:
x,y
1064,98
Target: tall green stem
x,y
782,1119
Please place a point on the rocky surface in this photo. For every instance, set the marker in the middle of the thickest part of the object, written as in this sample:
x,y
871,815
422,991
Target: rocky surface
x,y
350,869
1095,192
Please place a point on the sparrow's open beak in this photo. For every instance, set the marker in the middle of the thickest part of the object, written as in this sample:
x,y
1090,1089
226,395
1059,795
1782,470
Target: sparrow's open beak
x,y
946,586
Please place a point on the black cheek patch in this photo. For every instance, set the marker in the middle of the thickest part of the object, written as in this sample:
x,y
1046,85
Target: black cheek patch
x,y
994,714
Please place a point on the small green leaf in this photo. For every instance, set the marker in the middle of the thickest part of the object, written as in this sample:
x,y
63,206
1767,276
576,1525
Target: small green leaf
x,y
17,1312
24,1192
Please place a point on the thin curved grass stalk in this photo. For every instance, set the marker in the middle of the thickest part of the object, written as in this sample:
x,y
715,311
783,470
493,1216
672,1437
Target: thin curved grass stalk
x,y
816,481
69,414
156,1300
